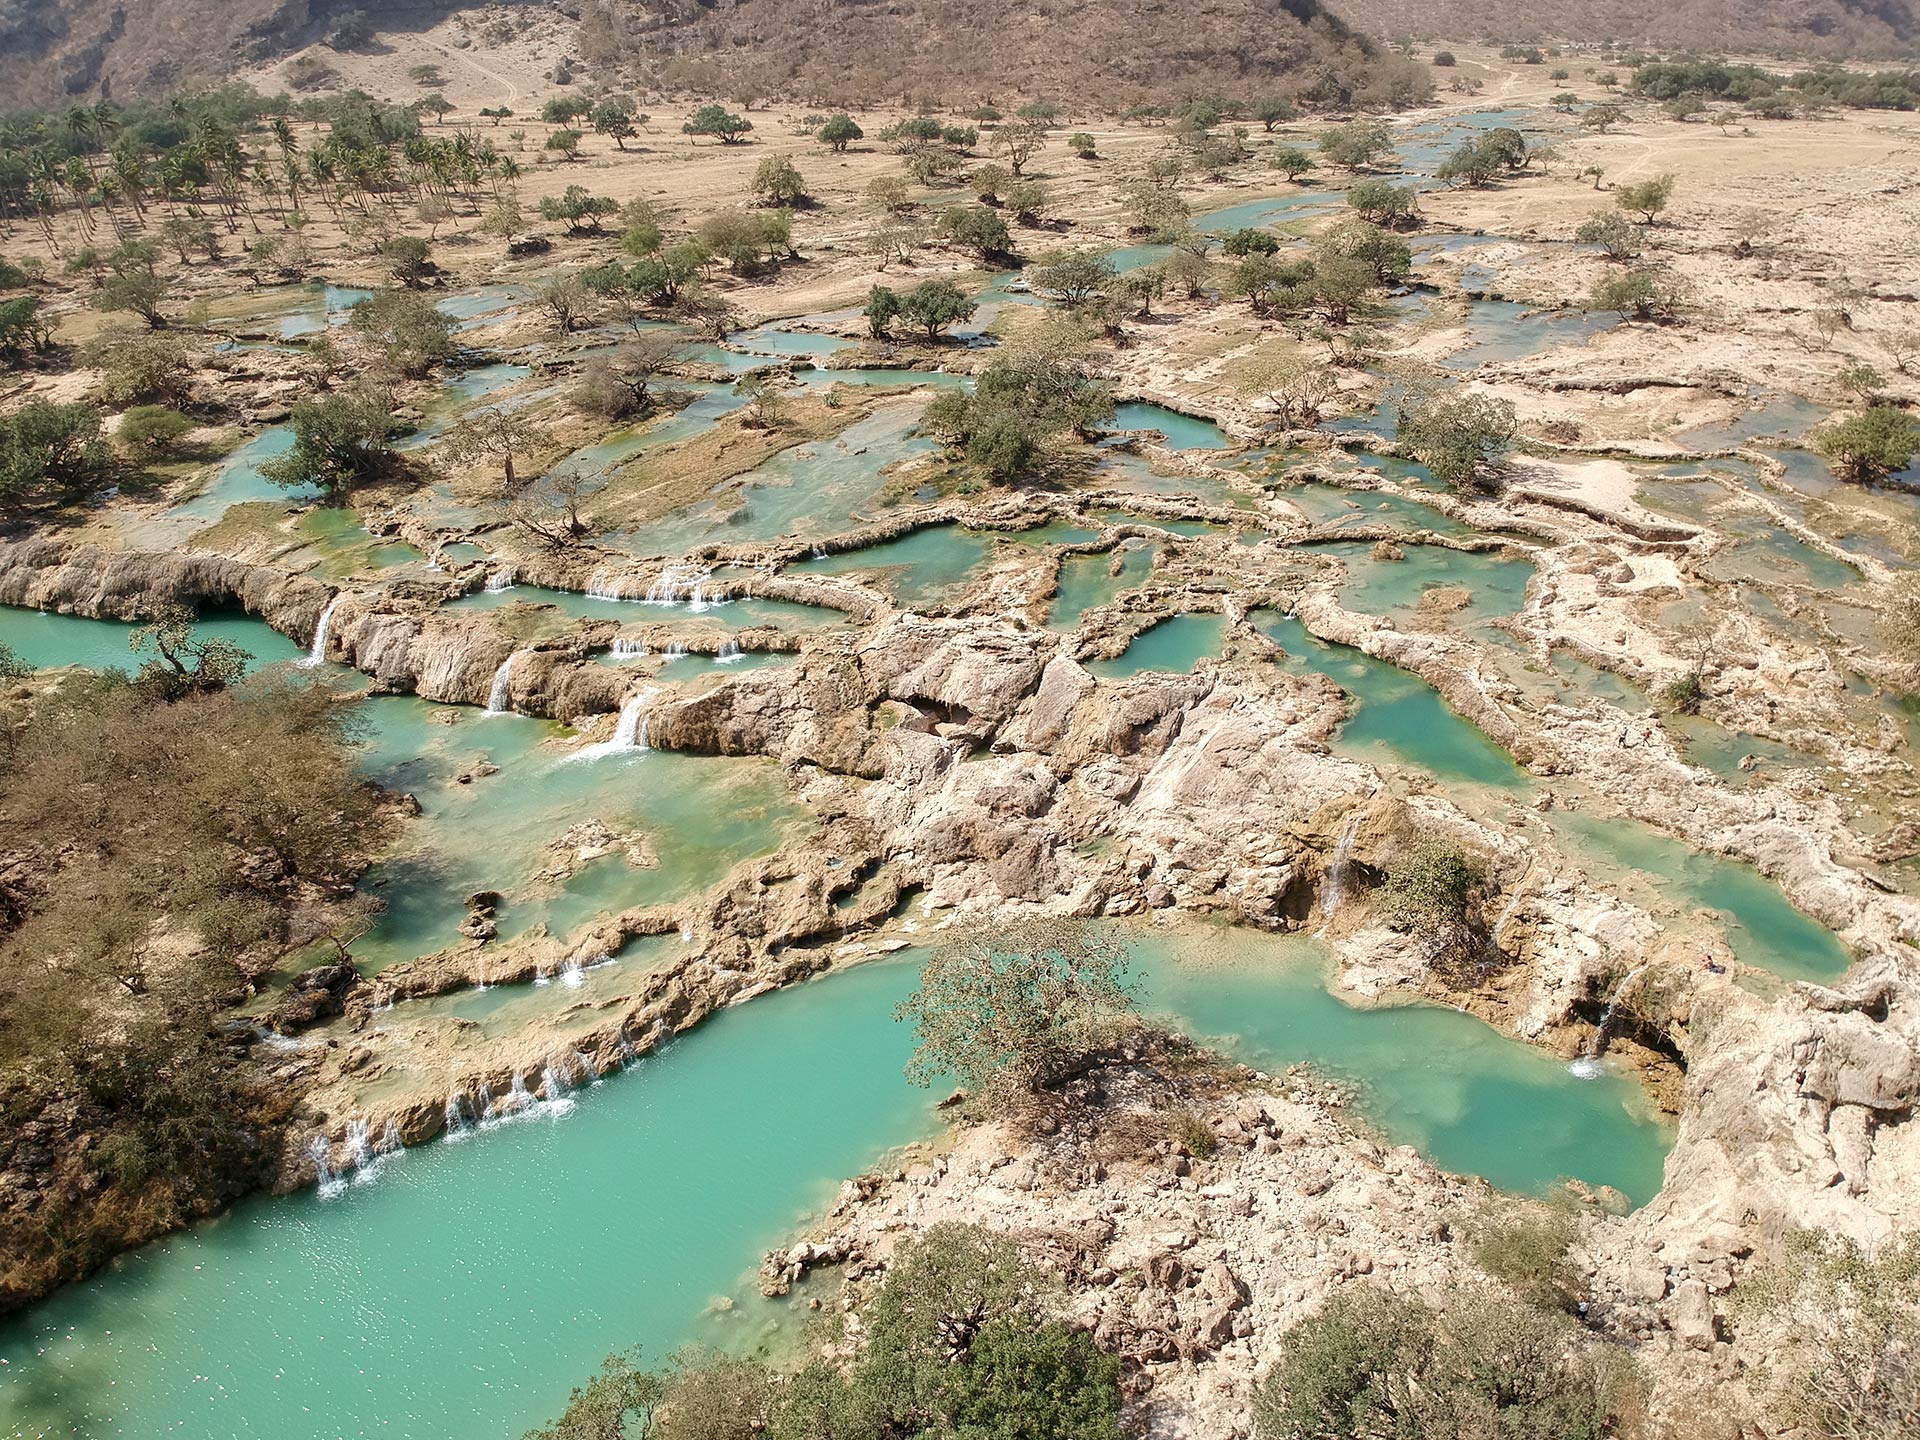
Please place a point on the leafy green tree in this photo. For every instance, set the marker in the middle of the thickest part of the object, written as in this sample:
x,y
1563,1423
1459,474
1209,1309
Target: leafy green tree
x,y
1028,199
1009,1011
23,328
976,228
582,211
1073,277
1273,111
181,663
1020,141
778,182
883,308
934,306
1357,144
409,259
1381,202
617,1404
719,122
1602,118
1028,1382
1645,198
1083,145
12,667
1613,233
405,328
1242,243
617,116
1457,435
339,444
1639,293
839,132
1565,102
1868,447
566,142
52,455
133,284
1291,161
152,429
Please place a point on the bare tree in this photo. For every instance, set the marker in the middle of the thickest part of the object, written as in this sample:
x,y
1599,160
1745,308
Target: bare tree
x,y
491,434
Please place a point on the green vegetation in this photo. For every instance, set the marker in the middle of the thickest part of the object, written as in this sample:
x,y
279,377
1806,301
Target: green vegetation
x,y
719,122
1357,144
1372,1365
1524,1244
51,456
405,330
1645,198
152,430
1830,85
976,228
1639,293
1868,447
1430,890
1028,396
580,211
1613,233
1011,1011
1381,202
157,866
933,306
778,182
339,444
1457,435
839,132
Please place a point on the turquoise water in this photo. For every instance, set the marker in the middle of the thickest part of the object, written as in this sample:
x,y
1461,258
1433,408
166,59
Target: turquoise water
x,y
1501,330
1333,505
1387,587
733,614
701,814
48,641
1183,432
238,479
926,568
1173,646
467,1290
1469,1098
328,308
1088,580
1397,716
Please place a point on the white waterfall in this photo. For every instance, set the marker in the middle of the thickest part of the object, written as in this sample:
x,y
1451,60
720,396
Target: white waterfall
x,y
518,1097
499,580
601,588
500,693
629,731
555,1085
318,651
628,646
573,974
457,1116
358,1145
584,1067
729,653
1506,914
676,649
1340,867
320,1150
1587,1067
390,1142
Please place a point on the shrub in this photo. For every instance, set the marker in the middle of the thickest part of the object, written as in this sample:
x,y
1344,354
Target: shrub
x,y
1430,888
407,330
1459,435
1524,1246
1872,445
52,455
839,132
152,429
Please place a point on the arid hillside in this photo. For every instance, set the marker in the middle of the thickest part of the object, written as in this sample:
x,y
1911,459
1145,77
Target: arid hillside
x,y
1787,27
1107,51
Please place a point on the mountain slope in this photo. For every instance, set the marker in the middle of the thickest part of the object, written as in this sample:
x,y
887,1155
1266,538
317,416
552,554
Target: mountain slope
x,y
1788,27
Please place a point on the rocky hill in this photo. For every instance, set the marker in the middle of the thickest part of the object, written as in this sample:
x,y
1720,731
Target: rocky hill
x,y
1786,27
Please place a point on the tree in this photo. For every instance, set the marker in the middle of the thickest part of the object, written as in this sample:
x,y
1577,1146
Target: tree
x,y
1868,447
1009,1011
566,142
504,220
1273,111
1357,144
1370,1364
1083,146
1612,232
1242,243
133,284
565,298
934,305
1457,435
405,328
152,429
1645,198
889,192
409,259
339,444
618,117
52,455
23,327
976,228
1565,102
719,122
1429,890
1073,277
488,434
552,509
839,132
581,211
777,182
617,1404
1602,118
1381,202
883,308
1296,386
1291,161
1639,293
182,663
1020,142
619,385
1028,199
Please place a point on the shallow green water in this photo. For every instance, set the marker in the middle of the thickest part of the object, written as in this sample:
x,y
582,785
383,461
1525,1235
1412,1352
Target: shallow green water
x,y
47,641
1383,587
1469,1098
701,814
1397,716
1183,432
473,1284
1332,505
927,567
1089,580
734,614
1173,646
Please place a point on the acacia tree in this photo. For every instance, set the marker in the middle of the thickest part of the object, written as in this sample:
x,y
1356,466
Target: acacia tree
x,y
1645,198
719,122
1010,1011
1020,142
491,434
1457,435
934,305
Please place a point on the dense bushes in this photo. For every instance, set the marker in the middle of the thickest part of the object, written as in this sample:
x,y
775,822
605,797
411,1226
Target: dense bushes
x,y
52,455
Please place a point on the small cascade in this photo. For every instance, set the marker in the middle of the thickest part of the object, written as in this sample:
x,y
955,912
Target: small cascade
x,y
1340,867
500,580
358,1144
318,651
1587,1067
627,647
390,1142
518,1097
629,731
628,1054
488,1111
500,693
686,932
676,650
330,1181
1507,912
457,1127
677,583
556,1085
729,653
584,1067
573,974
